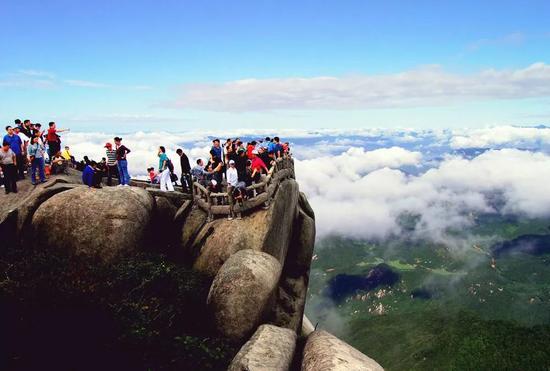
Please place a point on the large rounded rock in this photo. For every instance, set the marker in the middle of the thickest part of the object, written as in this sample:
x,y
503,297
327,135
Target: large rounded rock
x,y
221,238
325,352
264,230
241,292
271,348
101,223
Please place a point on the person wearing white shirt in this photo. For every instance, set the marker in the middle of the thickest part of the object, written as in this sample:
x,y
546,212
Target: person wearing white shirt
x,y
232,175
232,180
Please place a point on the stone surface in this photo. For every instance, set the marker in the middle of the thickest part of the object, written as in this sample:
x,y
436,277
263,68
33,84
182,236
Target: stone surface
x,y
176,198
291,294
270,348
324,352
165,209
241,292
103,223
263,230
183,212
302,244
305,206
288,309
282,215
221,238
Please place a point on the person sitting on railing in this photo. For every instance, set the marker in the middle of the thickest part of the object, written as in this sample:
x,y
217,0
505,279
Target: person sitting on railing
x,y
200,175
258,165
214,186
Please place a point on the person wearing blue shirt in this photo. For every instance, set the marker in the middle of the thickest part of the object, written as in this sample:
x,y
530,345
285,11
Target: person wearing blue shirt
x,y
91,176
36,153
278,148
14,141
217,149
16,145
271,148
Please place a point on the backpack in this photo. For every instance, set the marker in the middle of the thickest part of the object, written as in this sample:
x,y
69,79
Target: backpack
x,y
170,165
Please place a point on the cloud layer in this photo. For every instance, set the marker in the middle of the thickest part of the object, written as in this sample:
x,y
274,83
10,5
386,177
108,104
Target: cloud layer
x,y
352,203
426,86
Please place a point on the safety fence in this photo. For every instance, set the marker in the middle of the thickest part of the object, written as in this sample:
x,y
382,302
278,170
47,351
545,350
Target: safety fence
x,y
222,203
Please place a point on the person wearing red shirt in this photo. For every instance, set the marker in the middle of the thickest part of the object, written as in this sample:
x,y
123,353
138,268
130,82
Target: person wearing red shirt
x,y
249,149
54,141
257,166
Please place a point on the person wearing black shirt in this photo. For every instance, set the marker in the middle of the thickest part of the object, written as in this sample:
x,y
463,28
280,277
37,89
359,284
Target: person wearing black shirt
x,y
217,167
240,164
186,182
122,163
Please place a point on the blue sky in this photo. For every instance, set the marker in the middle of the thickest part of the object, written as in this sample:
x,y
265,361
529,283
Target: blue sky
x,y
177,64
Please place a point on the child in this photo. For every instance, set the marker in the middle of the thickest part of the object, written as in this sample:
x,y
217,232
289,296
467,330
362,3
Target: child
x,y
153,177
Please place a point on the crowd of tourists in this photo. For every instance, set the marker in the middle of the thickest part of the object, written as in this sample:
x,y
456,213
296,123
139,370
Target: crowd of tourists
x,y
232,166
28,146
29,150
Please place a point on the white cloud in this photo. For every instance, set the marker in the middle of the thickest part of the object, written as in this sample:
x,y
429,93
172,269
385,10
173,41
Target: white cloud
x,y
511,39
37,73
37,79
99,85
367,205
511,136
425,86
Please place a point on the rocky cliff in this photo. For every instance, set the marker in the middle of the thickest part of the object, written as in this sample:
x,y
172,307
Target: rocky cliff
x,y
258,265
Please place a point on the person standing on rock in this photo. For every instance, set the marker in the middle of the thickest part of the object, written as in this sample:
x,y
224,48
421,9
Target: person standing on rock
x,y
111,163
218,152
186,182
8,162
36,157
232,183
15,142
122,163
164,170
54,140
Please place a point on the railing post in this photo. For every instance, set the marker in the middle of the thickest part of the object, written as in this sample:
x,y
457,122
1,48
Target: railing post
x,y
209,203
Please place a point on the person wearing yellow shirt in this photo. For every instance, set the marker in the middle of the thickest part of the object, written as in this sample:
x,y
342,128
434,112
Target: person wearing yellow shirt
x,y
66,154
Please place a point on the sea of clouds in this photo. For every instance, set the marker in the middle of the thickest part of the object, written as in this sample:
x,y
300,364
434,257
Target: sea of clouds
x,y
361,182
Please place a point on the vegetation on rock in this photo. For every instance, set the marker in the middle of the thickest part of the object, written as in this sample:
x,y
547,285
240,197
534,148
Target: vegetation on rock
x,y
143,312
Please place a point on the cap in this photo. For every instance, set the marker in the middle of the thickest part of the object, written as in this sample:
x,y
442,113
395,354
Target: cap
x,y
118,139
231,162
108,145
